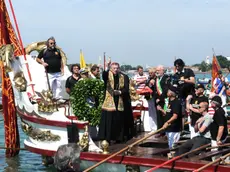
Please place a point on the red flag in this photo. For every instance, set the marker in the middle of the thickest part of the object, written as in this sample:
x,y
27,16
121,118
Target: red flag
x,y
8,36
215,68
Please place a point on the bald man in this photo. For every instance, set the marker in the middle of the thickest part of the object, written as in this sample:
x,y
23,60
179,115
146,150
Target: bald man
x,y
161,88
202,127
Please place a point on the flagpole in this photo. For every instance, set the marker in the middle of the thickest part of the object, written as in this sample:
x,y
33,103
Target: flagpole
x,y
21,43
104,61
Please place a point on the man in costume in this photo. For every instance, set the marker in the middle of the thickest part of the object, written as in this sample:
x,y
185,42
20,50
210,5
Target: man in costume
x,y
111,126
52,61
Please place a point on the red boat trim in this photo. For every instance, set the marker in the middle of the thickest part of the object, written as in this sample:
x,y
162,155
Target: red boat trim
x,y
140,161
40,151
150,162
140,108
35,119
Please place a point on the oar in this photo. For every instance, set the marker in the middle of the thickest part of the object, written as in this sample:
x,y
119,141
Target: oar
x,y
124,149
223,145
178,157
1,147
211,163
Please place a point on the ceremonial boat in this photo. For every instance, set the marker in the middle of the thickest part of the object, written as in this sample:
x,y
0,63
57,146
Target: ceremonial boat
x,y
47,124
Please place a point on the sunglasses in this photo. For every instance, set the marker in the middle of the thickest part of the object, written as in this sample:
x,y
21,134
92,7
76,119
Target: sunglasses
x,y
52,43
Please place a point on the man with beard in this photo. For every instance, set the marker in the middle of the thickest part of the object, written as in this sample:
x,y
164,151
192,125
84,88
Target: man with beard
x,y
111,126
161,88
192,106
52,62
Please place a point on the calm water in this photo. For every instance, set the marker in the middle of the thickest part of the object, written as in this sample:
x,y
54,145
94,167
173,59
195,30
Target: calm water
x,y
24,162
27,161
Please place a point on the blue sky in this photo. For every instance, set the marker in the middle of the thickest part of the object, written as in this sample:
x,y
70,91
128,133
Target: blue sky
x,y
130,31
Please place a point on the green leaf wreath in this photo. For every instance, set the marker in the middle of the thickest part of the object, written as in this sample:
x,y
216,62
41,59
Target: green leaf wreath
x,y
82,90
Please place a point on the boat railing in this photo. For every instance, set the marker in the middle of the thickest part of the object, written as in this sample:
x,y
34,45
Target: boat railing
x,y
127,148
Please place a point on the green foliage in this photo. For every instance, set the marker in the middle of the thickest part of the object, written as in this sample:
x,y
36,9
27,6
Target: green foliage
x,y
204,67
223,61
82,90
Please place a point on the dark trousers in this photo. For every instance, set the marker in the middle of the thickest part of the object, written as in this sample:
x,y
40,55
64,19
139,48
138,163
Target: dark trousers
x,y
160,119
192,144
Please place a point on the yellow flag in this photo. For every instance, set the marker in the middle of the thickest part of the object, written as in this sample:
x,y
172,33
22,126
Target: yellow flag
x,y
82,60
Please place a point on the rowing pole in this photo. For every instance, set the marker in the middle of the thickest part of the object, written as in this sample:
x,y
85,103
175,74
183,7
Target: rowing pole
x,y
124,149
211,163
178,157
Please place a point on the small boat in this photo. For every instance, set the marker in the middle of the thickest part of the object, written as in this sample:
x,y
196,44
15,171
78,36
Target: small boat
x,y
203,80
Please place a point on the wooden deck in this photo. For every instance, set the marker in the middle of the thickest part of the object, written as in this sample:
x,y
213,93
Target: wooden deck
x,y
152,152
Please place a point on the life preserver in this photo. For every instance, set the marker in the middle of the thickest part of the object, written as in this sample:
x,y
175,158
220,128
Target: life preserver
x,y
39,46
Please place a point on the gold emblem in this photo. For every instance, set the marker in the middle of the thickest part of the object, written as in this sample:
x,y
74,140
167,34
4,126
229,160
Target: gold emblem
x,y
56,53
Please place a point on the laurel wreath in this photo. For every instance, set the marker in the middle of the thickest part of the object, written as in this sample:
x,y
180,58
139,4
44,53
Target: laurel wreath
x,y
82,90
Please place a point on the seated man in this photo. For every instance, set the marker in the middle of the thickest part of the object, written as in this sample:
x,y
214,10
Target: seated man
x,y
67,158
202,126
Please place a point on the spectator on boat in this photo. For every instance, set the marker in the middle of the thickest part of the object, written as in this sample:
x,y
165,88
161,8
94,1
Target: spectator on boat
x,y
173,116
84,73
184,78
111,126
151,100
219,84
161,88
202,127
140,78
192,107
218,128
73,79
95,72
67,158
51,59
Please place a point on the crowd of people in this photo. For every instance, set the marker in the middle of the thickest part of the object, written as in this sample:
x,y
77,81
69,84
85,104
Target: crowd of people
x,y
173,100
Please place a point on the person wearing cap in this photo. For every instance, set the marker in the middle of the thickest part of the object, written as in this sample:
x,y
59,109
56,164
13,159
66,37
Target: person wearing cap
x,y
51,59
202,127
73,79
84,73
192,107
219,85
173,116
112,122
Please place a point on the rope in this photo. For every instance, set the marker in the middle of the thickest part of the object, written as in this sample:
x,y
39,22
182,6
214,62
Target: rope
x,y
21,43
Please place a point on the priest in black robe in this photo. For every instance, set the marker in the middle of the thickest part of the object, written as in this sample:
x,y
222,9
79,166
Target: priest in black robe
x,y
112,123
